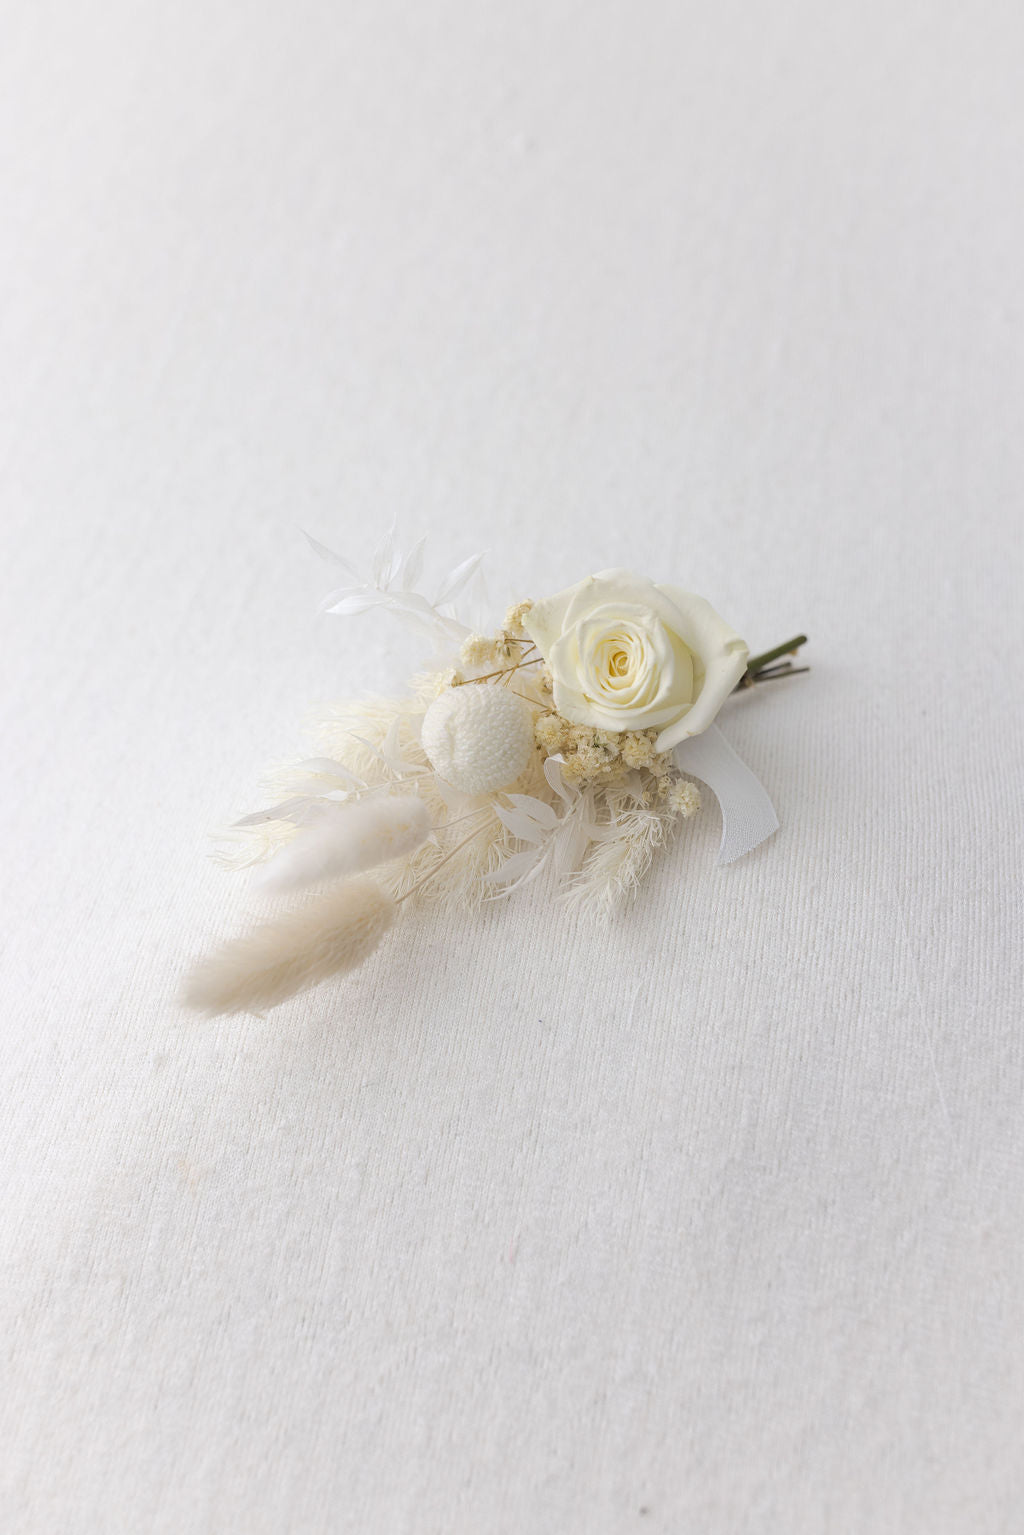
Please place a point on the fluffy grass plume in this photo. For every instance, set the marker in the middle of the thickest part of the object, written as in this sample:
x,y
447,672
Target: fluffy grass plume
x,y
330,936
338,840
619,859
377,740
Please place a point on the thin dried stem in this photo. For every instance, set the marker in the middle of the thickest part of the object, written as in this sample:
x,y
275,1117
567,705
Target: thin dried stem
x,y
788,671
773,671
441,862
504,671
447,825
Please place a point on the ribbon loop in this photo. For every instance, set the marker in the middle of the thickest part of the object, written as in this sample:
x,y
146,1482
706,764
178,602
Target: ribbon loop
x,y
748,815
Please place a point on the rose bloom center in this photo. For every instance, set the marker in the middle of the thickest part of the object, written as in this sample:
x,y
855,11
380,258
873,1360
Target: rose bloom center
x,y
618,660
622,665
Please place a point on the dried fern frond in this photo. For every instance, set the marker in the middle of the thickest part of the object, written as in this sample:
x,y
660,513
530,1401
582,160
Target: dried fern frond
x,y
242,847
369,746
454,865
621,853
377,739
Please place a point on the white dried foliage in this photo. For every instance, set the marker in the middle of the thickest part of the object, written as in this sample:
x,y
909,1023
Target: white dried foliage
x,y
242,847
372,748
335,840
391,585
622,847
329,936
553,831
369,796
595,839
376,740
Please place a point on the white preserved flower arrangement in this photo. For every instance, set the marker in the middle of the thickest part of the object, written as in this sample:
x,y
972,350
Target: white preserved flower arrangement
x,y
562,745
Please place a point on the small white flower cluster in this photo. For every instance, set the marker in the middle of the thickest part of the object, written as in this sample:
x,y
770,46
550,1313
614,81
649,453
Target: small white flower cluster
x,y
683,797
515,619
481,653
548,746
590,755
597,757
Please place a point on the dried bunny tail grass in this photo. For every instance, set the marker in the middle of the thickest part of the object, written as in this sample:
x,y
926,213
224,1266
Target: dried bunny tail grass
x,y
620,858
338,840
331,936
378,739
372,743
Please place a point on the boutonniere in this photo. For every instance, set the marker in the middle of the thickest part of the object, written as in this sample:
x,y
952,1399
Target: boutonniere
x,y
566,743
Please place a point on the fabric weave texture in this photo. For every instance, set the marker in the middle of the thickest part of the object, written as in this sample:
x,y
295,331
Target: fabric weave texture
x,y
708,1221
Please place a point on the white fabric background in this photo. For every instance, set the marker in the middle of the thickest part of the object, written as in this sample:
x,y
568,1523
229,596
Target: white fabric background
x,y
713,1222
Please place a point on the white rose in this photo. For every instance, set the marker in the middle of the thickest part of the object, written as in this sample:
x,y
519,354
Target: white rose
x,y
626,653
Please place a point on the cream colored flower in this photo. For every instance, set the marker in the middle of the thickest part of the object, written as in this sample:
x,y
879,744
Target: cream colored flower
x,y
628,654
637,750
682,796
549,732
478,650
515,616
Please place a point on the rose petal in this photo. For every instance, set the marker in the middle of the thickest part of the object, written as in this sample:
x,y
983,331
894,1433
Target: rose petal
x,y
679,659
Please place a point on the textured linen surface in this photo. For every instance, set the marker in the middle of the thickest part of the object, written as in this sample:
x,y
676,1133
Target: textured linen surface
x,y
708,1222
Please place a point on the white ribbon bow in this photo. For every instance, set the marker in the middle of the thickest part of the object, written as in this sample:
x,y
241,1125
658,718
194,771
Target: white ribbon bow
x,y
748,815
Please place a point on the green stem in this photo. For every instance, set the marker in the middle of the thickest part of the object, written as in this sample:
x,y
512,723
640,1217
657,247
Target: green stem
x,y
758,663
749,681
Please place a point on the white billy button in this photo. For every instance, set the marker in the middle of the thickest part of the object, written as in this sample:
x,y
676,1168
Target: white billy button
x,y
478,738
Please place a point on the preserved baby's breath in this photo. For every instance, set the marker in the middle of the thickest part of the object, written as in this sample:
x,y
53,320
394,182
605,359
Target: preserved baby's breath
x,y
478,650
515,618
497,769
